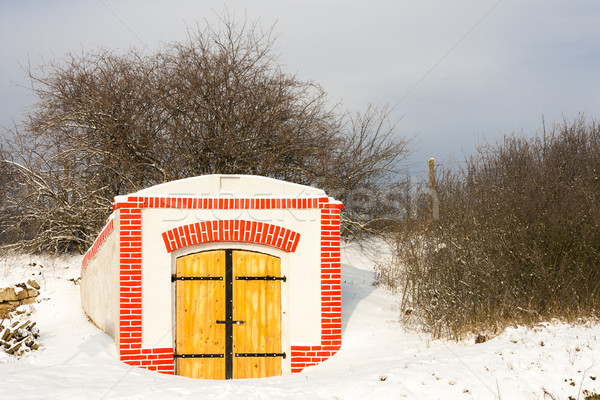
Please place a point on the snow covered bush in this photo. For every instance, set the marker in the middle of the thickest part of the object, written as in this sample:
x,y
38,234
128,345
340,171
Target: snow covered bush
x,y
517,238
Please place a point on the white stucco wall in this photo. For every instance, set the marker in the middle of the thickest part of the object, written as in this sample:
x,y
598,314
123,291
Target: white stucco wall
x,y
301,296
222,185
301,302
99,286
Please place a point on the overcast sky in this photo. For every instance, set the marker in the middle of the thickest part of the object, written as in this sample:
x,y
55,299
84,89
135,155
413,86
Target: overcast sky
x,y
458,72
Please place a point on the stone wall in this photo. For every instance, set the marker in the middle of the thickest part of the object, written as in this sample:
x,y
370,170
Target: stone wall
x,y
19,294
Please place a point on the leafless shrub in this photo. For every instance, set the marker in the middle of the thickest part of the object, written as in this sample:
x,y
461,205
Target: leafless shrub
x,y
108,124
517,239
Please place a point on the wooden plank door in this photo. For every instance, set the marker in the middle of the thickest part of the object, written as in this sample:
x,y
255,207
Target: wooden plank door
x,y
228,313
200,303
256,302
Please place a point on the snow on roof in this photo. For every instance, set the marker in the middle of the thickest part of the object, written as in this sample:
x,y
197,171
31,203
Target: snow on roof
x,y
240,185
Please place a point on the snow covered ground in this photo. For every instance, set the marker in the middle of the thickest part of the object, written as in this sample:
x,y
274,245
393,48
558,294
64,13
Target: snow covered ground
x,y
379,359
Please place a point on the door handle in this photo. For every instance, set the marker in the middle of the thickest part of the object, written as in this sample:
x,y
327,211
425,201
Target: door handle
x,y
230,322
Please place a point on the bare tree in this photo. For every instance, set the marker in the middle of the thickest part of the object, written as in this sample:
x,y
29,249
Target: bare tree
x,y
365,172
107,124
235,111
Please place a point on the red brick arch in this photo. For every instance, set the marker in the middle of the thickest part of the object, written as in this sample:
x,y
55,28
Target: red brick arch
x,y
238,230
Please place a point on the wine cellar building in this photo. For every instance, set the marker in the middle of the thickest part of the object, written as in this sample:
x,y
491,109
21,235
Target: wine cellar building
x,y
219,277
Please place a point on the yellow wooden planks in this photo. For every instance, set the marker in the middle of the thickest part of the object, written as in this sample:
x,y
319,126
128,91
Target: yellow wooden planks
x,y
258,303
199,305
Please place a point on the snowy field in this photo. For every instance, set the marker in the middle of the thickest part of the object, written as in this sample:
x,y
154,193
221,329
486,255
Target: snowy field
x,y
379,359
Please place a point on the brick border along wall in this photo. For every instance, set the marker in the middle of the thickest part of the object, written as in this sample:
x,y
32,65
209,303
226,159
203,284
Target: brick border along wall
x,y
234,230
92,251
331,294
130,245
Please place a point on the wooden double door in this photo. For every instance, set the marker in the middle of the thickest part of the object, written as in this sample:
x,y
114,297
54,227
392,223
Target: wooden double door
x,y
228,315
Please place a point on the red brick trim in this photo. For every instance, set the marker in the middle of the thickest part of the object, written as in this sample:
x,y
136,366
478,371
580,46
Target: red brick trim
x,y
219,203
231,231
158,359
92,251
331,294
130,265
130,332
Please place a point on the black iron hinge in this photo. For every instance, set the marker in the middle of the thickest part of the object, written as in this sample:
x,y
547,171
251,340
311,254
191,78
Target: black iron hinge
x,y
198,355
260,355
196,278
261,278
